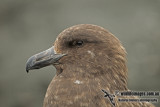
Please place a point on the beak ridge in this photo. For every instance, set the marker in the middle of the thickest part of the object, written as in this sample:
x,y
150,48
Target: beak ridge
x,y
43,59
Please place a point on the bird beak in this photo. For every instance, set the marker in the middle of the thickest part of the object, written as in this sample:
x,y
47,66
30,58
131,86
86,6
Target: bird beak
x,y
43,59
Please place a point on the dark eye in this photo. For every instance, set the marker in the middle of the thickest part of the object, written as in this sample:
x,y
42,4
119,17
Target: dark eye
x,y
79,43
76,43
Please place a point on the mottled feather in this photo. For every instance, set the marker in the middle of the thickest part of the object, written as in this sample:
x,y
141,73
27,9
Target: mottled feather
x,y
99,63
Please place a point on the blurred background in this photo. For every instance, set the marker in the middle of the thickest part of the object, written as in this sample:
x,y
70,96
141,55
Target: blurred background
x,y
31,26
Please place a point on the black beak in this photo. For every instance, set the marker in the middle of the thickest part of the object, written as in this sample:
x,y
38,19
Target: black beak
x,y
43,59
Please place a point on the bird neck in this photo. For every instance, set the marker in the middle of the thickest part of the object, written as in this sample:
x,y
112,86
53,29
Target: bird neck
x,y
108,78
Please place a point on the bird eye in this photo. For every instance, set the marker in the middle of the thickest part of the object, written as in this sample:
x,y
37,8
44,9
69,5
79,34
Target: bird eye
x,y
76,43
79,43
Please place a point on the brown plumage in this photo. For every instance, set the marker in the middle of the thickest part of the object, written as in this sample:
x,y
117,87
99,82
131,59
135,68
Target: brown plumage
x,y
93,59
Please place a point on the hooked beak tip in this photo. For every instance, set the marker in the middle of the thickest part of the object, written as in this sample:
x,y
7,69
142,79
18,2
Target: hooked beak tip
x,y
43,59
27,70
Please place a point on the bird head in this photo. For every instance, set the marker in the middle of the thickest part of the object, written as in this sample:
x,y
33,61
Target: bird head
x,y
85,49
